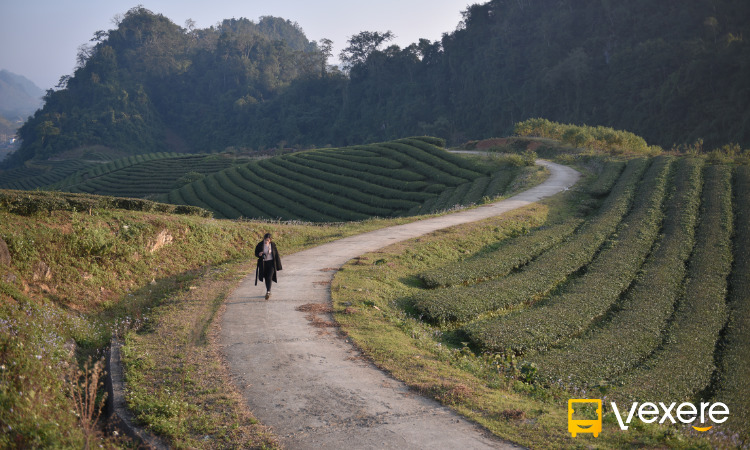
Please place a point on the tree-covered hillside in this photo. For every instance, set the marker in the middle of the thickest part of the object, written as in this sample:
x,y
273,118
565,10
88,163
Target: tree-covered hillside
x,y
672,72
150,85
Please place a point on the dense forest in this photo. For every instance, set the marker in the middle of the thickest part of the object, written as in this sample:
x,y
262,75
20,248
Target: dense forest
x,y
673,72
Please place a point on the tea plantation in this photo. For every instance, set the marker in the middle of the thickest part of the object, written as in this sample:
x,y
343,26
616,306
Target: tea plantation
x,y
398,178
138,176
644,299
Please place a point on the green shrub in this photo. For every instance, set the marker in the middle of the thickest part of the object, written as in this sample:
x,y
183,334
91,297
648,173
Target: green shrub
x,y
34,202
188,178
593,138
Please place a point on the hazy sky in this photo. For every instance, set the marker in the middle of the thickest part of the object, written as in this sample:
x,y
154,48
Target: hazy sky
x,y
39,39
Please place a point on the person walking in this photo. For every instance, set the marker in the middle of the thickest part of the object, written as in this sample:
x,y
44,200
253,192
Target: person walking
x,y
269,262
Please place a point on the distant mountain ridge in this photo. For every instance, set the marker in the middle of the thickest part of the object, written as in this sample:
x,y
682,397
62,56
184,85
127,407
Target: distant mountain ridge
x,y
19,96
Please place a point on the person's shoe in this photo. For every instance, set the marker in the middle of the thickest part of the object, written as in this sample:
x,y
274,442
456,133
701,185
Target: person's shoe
x,y
268,294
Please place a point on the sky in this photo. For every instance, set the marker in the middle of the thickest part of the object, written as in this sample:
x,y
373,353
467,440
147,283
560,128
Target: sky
x,y
39,39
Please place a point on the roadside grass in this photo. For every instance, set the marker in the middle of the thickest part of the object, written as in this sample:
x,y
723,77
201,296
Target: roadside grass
x,y
76,280
176,383
371,302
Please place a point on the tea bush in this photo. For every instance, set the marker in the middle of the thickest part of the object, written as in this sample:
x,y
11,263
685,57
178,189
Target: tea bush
x,y
500,262
607,178
324,202
733,387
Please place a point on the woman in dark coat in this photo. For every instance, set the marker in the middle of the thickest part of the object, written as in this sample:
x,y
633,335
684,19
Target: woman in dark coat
x,y
269,262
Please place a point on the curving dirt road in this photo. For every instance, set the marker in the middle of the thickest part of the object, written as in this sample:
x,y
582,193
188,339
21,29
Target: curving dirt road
x,y
311,388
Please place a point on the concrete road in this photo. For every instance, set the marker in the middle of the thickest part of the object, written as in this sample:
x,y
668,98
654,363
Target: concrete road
x,y
310,387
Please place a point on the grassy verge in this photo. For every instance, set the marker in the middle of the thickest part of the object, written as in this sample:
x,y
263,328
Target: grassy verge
x,y
76,279
176,384
371,305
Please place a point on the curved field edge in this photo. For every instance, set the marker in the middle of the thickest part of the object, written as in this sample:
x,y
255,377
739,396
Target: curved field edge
x,y
371,301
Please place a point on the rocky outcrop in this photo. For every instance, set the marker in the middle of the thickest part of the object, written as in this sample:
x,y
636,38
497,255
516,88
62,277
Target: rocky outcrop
x,y
42,272
162,239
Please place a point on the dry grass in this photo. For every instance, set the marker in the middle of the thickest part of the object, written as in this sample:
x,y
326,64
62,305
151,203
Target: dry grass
x,y
318,308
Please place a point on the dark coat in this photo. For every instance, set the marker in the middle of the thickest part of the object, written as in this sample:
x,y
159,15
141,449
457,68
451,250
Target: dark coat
x,y
259,266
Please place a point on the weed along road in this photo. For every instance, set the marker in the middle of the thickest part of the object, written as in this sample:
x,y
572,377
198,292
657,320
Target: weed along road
x,y
309,385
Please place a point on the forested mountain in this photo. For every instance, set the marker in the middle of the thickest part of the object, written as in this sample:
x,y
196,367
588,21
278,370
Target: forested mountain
x,y
150,85
671,71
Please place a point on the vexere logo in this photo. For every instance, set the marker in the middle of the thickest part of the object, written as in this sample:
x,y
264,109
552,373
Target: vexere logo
x,y
699,417
587,425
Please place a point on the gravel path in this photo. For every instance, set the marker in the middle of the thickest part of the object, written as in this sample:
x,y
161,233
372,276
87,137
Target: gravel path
x,y
310,387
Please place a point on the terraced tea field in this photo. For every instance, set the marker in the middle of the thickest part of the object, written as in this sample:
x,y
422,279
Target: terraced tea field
x,y
403,177
640,295
138,176
26,178
143,175
635,299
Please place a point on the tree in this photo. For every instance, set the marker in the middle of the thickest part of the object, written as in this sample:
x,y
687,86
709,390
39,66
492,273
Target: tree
x,y
326,49
361,47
